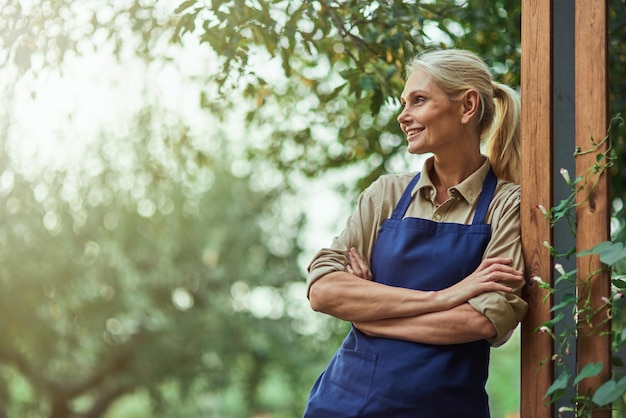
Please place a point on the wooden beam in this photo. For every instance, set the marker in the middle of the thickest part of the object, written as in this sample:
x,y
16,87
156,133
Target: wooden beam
x,y
593,215
536,186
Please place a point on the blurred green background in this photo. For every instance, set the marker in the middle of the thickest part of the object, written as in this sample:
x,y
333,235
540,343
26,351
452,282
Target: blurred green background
x,y
167,170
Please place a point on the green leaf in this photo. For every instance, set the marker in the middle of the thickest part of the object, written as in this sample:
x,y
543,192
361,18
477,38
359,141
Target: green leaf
x,y
610,252
609,392
619,283
563,204
568,275
334,93
596,249
590,370
559,384
377,101
553,321
560,210
284,52
367,83
623,336
185,5
568,299
617,254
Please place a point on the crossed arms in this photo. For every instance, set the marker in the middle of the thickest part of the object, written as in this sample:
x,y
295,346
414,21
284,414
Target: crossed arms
x,y
431,317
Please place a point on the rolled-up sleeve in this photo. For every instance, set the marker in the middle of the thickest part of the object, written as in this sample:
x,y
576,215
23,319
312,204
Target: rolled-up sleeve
x,y
360,232
504,310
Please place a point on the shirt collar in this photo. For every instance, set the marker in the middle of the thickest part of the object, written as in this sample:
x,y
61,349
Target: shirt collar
x,y
469,188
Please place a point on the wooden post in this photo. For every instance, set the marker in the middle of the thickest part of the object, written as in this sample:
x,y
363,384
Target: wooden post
x,y
592,214
536,185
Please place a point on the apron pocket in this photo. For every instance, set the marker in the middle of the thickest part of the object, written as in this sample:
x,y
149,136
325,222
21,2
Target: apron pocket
x,y
353,371
344,387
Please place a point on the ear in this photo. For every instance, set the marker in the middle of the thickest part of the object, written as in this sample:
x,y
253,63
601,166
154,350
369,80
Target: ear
x,y
470,105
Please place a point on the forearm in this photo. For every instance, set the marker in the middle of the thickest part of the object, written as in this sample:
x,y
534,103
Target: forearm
x,y
458,325
345,296
348,296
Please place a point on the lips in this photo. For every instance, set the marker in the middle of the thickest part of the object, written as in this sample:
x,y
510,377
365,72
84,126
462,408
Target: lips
x,y
413,131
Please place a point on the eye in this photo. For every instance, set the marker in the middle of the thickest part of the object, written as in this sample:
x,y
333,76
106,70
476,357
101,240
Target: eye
x,y
419,99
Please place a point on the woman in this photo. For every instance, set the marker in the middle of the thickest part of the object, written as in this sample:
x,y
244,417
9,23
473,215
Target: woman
x,y
429,266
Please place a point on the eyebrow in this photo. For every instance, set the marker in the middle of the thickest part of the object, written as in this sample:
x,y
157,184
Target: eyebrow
x,y
414,93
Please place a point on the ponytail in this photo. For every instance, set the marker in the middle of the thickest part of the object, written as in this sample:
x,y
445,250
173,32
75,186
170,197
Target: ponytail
x,y
503,137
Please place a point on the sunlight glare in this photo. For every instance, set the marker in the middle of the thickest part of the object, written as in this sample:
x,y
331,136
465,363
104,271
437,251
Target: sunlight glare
x,y
59,117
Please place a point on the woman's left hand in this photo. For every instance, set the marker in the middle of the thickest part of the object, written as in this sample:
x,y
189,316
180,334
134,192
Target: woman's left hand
x,y
358,266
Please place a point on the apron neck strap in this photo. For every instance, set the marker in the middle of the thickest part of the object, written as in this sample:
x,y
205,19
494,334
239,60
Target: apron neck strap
x,y
405,200
486,194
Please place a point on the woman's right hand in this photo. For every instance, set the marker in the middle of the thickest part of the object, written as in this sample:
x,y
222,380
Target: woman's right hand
x,y
358,266
492,275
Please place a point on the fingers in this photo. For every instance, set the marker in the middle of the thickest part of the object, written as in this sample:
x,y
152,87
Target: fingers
x,y
499,287
501,278
499,269
354,267
492,275
357,265
503,273
488,262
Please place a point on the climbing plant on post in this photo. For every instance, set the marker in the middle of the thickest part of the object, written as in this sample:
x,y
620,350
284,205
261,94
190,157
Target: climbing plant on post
x,y
592,341
588,390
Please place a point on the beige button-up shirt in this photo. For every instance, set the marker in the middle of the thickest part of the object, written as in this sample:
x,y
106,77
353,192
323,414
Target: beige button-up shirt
x,y
377,202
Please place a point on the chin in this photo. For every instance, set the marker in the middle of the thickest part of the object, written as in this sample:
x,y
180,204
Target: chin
x,y
413,149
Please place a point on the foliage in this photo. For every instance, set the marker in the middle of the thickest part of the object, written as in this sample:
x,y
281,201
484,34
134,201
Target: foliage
x,y
575,305
332,69
617,102
131,279
342,64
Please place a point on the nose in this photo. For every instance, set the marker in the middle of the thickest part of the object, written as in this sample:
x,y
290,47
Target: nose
x,y
403,117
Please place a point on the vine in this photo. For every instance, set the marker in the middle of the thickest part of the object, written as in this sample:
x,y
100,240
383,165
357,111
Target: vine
x,y
572,309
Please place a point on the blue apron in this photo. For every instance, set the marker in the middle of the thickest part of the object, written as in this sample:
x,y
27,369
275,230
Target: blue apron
x,y
379,377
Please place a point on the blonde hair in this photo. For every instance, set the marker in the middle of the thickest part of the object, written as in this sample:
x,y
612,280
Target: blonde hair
x,y
455,71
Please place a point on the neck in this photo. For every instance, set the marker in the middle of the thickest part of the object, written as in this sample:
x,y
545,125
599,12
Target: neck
x,y
449,173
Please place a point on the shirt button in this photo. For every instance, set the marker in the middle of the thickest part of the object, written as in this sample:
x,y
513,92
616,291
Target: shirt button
x,y
437,217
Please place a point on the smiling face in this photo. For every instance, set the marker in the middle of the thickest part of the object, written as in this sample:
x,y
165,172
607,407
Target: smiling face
x,y
431,121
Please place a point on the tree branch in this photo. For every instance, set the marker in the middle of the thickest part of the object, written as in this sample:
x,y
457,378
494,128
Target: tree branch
x,y
360,42
116,362
14,358
103,403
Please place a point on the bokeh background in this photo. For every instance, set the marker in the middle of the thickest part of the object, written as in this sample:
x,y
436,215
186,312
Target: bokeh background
x,y
167,170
